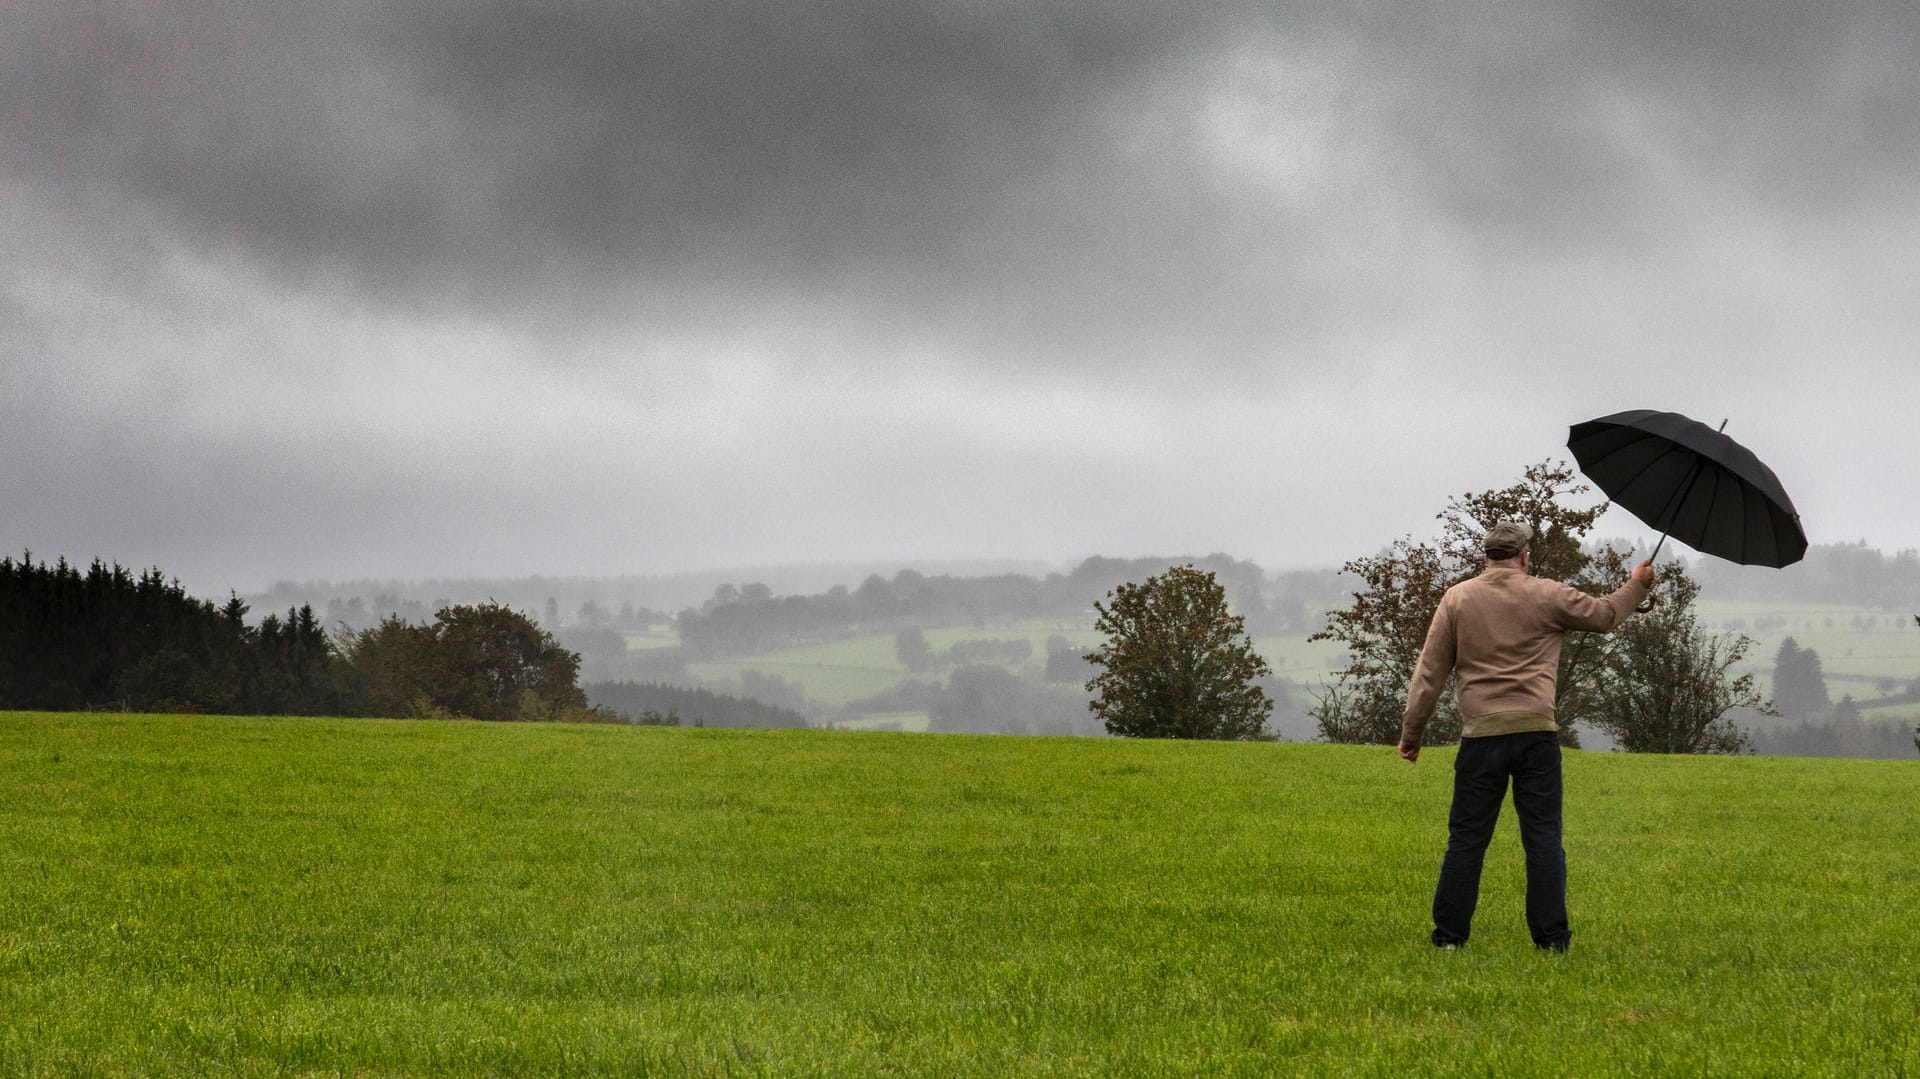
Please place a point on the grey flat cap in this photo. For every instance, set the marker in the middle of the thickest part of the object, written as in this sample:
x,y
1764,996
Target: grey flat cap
x,y
1507,539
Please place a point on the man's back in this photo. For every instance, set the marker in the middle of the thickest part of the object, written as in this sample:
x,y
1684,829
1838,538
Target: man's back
x,y
1500,633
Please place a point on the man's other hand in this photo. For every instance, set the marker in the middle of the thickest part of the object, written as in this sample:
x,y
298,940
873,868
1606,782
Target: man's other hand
x,y
1409,752
1643,573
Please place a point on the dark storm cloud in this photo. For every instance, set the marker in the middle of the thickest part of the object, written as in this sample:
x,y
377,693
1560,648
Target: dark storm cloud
x,y
1033,169
483,150
1529,119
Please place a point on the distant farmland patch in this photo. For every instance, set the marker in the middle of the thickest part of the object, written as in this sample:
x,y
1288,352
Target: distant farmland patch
x,y
1860,647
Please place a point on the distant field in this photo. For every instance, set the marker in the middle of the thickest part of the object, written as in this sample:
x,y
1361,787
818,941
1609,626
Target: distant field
x,y
836,672
1304,661
886,721
1859,647
654,637
1907,712
188,895
831,673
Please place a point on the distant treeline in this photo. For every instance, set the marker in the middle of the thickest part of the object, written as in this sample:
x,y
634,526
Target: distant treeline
x,y
356,612
1844,736
744,620
658,703
625,601
1839,573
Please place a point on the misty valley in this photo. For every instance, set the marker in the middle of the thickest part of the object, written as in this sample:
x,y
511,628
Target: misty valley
x,y
998,651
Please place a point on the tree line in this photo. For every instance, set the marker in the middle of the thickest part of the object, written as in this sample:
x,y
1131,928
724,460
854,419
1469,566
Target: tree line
x,y
660,704
109,638
1843,732
1845,573
748,619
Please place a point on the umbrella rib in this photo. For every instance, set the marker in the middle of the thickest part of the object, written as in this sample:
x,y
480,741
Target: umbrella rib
x,y
1763,529
1671,512
1622,490
1670,448
1720,485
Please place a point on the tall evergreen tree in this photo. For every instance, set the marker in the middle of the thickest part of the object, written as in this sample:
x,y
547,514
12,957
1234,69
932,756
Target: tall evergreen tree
x,y
1799,681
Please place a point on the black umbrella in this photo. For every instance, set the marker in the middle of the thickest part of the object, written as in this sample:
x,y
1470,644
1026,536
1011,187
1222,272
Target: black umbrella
x,y
1693,483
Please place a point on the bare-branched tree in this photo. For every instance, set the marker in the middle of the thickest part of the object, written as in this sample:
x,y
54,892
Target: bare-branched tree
x,y
1668,687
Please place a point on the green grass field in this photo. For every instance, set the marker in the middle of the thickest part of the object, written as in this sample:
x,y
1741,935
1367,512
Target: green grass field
x,y
283,896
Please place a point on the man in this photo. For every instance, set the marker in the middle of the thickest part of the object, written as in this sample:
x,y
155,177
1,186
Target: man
x,y
1499,634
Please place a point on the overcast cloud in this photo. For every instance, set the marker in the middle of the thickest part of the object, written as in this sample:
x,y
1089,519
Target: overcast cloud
x,y
347,290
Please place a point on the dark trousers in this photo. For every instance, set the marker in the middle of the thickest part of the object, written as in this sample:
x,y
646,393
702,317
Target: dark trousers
x,y
1480,773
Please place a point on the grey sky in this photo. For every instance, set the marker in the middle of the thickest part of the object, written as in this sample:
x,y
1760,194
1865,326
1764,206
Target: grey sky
x,y
352,289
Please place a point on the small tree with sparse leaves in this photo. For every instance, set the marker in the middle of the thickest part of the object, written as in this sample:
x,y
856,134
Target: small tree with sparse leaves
x,y
1176,663
1668,686
1657,684
1385,627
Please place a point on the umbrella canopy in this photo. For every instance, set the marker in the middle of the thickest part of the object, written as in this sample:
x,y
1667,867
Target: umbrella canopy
x,y
1693,483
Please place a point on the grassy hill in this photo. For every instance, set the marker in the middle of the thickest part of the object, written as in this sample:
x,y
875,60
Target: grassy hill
x,y
342,896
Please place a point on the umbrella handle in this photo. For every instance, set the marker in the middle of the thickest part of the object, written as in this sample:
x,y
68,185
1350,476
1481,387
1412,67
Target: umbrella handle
x,y
1648,605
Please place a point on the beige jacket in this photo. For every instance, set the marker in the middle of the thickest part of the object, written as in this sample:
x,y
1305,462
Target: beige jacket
x,y
1500,633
